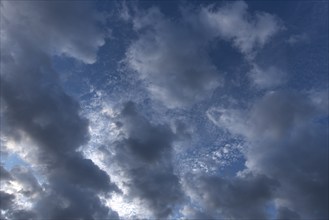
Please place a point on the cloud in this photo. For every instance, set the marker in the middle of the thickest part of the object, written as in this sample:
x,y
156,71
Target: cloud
x,y
73,31
287,141
286,214
172,59
144,157
232,22
6,200
36,108
231,198
297,38
144,140
16,193
268,77
4,174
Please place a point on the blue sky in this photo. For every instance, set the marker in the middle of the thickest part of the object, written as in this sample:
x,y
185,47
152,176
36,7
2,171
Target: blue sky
x,y
164,110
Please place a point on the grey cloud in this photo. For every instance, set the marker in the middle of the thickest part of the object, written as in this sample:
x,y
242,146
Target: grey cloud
x,y
172,59
6,200
71,201
172,56
144,139
7,204
144,156
233,198
286,214
55,27
80,171
159,186
36,104
4,174
25,177
288,141
11,197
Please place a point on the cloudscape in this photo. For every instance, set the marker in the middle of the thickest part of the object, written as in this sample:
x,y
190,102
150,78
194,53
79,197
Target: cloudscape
x,y
164,110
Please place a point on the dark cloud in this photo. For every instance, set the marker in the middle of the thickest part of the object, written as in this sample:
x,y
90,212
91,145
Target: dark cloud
x,y
9,209
233,198
145,157
82,172
295,150
73,31
67,200
37,107
286,214
6,200
4,174
21,184
144,139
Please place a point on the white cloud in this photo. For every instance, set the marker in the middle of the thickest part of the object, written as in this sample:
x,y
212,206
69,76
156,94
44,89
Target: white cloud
x,y
171,56
232,22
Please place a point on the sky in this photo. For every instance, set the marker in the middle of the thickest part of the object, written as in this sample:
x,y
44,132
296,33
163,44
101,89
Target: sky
x,y
164,110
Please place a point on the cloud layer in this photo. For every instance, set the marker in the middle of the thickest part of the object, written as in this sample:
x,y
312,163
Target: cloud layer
x,y
186,111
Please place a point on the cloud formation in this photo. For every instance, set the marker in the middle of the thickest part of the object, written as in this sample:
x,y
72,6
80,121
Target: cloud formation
x,y
232,22
35,106
172,59
287,141
73,31
239,197
135,142
144,156
172,56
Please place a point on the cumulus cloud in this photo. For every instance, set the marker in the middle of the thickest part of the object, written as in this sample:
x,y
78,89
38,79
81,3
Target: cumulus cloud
x,y
287,141
144,156
172,56
36,107
172,59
